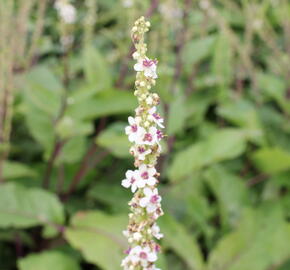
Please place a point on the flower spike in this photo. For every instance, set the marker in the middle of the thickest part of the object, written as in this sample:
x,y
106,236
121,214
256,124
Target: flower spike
x,y
144,134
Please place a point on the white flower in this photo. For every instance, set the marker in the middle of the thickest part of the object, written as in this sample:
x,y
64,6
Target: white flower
x,y
142,255
66,11
147,175
150,137
134,131
151,200
133,180
140,152
155,117
156,231
148,66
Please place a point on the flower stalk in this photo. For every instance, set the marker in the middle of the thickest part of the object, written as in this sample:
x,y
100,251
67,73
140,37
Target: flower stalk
x,y
145,135
68,16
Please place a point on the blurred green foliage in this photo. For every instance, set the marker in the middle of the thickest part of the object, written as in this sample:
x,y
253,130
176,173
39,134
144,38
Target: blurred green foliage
x,y
224,82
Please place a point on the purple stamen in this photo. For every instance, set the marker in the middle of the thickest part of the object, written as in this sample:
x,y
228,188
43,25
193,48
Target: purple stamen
x,y
154,199
127,251
143,255
141,149
148,63
134,128
132,180
148,137
156,116
159,134
157,248
145,175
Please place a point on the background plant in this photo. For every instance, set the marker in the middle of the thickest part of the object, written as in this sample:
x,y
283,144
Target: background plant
x,y
224,86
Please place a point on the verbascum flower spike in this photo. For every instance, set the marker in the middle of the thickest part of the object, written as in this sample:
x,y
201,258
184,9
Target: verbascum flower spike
x,y
68,16
66,11
145,135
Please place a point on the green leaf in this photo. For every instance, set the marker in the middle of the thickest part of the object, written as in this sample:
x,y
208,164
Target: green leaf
x,y
47,261
44,90
230,192
99,238
40,126
12,169
276,127
96,70
222,65
68,127
73,150
243,114
198,49
272,86
178,239
108,103
258,242
196,106
187,201
111,195
22,207
177,115
272,160
222,145
115,140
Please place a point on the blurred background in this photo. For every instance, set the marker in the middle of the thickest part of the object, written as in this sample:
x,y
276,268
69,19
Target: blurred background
x,y
66,91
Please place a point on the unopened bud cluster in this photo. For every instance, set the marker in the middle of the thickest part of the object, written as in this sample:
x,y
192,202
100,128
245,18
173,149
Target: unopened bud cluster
x,y
144,134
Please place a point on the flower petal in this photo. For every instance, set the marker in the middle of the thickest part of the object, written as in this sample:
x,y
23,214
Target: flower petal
x,y
152,257
126,183
133,188
143,202
131,120
151,208
147,192
138,67
151,181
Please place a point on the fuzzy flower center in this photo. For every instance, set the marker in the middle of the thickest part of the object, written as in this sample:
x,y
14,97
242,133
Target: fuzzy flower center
x,y
148,63
143,255
154,199
134,128
141,149
148,137
145,175
132,180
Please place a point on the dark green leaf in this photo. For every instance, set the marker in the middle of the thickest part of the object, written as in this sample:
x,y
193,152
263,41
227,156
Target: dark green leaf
x,y
22,207
47,261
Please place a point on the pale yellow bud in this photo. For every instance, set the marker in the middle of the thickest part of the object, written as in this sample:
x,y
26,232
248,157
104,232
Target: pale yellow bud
x,y
149,100
147,124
